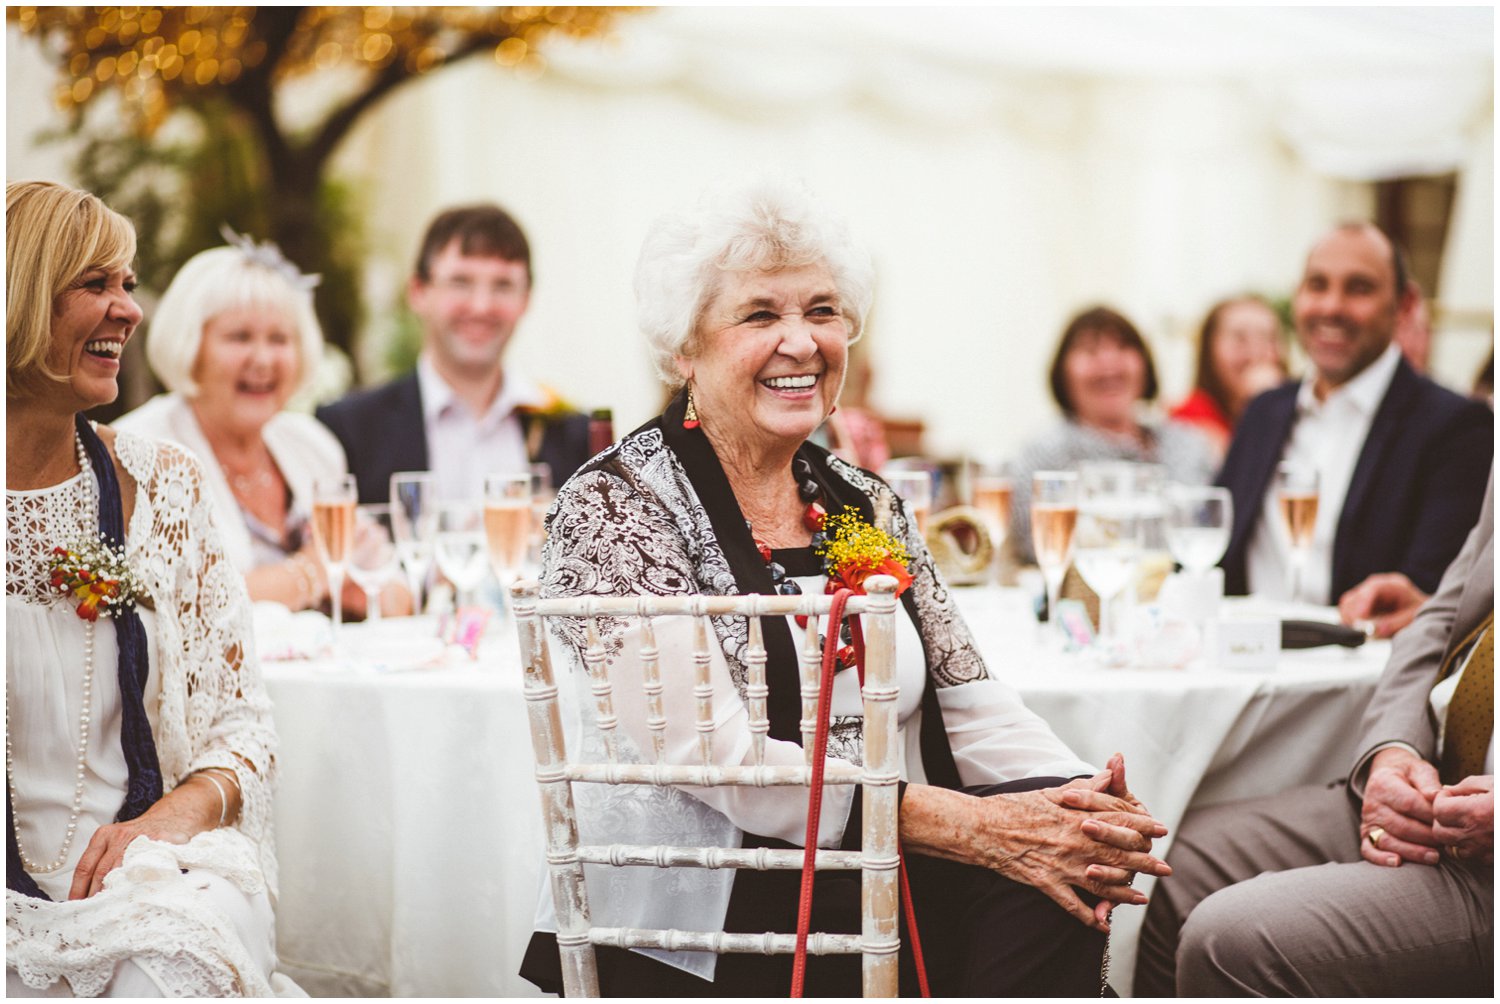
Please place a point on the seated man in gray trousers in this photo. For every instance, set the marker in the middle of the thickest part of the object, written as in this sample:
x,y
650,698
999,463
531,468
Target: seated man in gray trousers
x,y
1381,885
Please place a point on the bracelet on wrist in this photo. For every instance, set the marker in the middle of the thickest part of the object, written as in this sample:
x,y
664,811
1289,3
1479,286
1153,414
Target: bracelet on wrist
x,y
223,798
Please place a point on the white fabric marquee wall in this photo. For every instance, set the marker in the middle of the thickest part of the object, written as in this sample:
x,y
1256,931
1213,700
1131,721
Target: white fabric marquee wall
x,y
1008,166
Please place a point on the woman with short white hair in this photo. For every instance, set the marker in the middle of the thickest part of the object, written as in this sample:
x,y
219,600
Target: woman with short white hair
x,y
234,339
1017,849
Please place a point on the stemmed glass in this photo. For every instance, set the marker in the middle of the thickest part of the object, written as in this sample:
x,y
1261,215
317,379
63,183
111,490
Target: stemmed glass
x,y
1106,548
993,496
542,496
333,531
507,522
459,548
1054,516
413,525
915,489
373,562
1297,498
1199,518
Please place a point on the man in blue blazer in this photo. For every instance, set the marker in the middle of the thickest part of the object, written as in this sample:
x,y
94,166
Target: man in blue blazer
x,y
461,414
1402,462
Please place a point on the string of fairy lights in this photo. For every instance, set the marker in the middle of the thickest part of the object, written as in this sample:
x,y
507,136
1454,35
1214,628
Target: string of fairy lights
x,y
158,56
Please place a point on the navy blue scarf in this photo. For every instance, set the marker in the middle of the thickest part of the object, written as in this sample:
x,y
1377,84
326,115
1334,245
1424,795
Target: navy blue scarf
x,y
144,788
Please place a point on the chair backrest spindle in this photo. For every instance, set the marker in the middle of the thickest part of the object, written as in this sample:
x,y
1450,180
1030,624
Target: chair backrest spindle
x,y
756,688
703,688
656,718
810,665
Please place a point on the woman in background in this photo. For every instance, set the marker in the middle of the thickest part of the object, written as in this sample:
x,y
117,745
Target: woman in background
x,y
1102,377
233,339
1240,354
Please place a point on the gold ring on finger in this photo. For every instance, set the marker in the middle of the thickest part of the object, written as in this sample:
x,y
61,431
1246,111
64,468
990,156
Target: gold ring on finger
x,y
1375,834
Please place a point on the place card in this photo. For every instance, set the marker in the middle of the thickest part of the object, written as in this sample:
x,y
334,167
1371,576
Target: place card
x,y
1249,644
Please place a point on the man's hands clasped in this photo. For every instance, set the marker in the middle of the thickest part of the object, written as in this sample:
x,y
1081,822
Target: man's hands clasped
x,y
1409,815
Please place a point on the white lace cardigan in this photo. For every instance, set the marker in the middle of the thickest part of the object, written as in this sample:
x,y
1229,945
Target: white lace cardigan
x,y
213,709
631,522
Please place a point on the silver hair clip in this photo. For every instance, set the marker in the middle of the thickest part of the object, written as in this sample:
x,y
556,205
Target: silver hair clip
x,y
268,255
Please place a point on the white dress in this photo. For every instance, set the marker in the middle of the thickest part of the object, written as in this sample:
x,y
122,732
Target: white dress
x,y
172,920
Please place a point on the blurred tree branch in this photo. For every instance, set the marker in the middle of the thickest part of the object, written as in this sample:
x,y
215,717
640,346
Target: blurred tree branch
x,y
225,67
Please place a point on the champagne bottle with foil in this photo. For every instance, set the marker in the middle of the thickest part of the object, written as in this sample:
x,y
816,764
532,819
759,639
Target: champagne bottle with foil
x,y
601,430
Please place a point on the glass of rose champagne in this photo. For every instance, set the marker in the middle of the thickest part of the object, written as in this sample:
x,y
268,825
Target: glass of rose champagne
x,y
333,532
993,496
1297,499
507,523
1054,515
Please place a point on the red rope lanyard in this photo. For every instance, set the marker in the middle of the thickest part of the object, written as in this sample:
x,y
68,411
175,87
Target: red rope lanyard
x,y
815,800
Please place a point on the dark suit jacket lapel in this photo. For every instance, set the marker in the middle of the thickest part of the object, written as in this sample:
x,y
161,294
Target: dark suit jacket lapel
x,y
408,439
1261,466
1384,429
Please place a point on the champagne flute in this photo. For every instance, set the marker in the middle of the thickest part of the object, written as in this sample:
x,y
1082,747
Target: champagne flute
x,y
1054,515
413,525
993,496
1106,549
915,489
507,522
373,562
1297,499
333,531
459,548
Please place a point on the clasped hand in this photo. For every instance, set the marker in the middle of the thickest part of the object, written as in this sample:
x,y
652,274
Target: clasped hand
x,y
1091,835
1121,829
1415,816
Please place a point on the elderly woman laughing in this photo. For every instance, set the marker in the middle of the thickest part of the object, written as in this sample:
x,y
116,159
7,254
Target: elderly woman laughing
x,y
750,304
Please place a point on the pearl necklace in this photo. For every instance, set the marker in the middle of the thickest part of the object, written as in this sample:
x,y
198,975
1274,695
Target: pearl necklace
x,y
84,718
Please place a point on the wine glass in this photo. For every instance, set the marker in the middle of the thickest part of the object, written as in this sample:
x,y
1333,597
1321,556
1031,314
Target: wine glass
x,y
333,530
459,547
993,497
1054,515
413,525
1297,498
1106,549
373,562
507,522
543,494
1199,518
915,489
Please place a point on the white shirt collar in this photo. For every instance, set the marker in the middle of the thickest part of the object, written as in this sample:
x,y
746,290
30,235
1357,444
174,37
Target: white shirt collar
x,y
438,396
1364,392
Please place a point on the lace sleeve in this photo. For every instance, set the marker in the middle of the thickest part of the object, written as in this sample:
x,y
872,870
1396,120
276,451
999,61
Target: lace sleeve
x,y
214,710
610,535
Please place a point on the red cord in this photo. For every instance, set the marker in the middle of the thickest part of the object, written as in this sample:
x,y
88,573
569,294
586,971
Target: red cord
x,y
815,792
815,801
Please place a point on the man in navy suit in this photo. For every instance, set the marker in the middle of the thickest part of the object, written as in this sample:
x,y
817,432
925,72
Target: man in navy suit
x,y
1401,462
461,413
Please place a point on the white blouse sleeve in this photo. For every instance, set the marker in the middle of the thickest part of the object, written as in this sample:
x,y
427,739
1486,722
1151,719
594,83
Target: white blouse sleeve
x,y
993,735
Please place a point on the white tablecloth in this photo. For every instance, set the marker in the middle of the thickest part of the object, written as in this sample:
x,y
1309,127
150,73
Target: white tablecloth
x,y
408,825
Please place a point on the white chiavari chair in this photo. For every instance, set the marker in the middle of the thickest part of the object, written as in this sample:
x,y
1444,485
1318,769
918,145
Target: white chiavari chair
x,y
559,768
